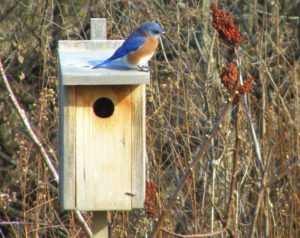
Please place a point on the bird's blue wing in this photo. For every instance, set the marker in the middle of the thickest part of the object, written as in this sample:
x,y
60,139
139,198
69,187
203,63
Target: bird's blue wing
x,y
130,44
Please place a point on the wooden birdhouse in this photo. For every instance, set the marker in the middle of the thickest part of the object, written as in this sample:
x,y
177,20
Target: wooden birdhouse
x,y
102,129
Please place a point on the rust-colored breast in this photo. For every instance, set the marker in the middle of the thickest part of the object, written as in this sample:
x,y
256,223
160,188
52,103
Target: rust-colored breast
x,y
146,50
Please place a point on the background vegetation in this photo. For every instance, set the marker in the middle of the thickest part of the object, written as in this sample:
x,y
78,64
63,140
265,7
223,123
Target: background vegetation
x,y
184,100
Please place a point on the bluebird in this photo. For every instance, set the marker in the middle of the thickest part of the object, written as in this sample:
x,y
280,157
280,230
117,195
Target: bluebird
x,y
137,49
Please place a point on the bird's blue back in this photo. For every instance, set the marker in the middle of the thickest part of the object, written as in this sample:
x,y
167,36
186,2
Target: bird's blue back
x,y
133,42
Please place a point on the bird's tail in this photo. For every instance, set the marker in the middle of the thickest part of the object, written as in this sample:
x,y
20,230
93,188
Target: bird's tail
x,y
102,64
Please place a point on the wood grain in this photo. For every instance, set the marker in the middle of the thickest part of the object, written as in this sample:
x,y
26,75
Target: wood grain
x,y
138,145
103,150
67,146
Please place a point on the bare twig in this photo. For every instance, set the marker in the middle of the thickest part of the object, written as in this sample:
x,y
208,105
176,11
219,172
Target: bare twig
x,y
27,124
197,158
258,156
257,208
36,141
195,235
83,222
234,166
284,173
219,217
248,114
8,11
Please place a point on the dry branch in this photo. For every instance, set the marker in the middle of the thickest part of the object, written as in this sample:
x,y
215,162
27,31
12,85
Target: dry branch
x,y
210,234
36,140
197,158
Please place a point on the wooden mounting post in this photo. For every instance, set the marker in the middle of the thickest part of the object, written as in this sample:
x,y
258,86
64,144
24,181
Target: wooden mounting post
x,y
100,227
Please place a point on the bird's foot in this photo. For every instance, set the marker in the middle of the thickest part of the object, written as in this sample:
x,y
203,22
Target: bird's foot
x,y
143,68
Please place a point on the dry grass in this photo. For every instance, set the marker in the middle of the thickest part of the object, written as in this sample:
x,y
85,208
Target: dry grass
x,y
226,191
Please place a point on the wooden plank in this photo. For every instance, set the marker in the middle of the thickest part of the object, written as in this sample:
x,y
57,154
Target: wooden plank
x,y
98,28
103,176
88,45
100,227
138,146
67,146
76,57
105,77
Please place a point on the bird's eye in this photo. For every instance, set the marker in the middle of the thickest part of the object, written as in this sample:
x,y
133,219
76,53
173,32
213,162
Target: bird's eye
x,y
156,32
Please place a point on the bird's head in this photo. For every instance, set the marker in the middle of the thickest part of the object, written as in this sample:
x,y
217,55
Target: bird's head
x,y
151,28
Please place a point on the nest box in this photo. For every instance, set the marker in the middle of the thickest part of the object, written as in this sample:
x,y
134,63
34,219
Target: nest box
x,y
102,130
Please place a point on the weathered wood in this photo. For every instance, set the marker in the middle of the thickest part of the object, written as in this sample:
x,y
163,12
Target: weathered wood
x,y
138,145
67,146
103,149
100,228
75,58
98,28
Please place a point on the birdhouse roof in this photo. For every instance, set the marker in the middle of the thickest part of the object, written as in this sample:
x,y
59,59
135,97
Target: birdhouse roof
x,y
76,59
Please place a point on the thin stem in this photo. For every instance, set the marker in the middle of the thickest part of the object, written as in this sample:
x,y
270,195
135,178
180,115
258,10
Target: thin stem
x,y
198,156
284,173
37,142
195,235
27,124
248,114
234,166
257,208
